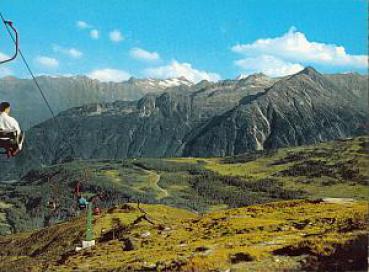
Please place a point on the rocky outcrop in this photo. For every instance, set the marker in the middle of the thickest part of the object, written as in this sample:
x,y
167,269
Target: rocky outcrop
x,y
302,109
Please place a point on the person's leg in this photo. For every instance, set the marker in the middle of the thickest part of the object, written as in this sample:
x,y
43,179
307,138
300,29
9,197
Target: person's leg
x,y
12,150
7,147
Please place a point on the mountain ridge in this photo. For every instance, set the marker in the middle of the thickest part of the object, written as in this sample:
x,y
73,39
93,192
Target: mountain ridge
x,y
66,92
204,120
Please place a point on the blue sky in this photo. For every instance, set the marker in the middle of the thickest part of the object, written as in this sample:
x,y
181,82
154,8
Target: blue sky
x,y
198,39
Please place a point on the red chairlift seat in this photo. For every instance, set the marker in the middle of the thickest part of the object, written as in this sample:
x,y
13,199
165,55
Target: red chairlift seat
x,y
97,211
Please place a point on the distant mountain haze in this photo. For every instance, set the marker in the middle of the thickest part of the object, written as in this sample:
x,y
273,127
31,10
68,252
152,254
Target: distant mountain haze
x,y
66,92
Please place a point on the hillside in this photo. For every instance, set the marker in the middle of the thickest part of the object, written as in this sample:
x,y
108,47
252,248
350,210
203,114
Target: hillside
x,y
288,236
304,108
336,169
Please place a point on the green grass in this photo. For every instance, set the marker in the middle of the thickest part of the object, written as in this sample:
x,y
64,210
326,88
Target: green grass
x,y
329,153
341,190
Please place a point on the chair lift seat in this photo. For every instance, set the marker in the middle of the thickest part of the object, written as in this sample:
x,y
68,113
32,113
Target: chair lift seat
x,y
82,202
51,205
10,140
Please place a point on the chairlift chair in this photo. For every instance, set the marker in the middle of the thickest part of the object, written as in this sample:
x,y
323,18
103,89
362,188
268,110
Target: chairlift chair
x,y
10,142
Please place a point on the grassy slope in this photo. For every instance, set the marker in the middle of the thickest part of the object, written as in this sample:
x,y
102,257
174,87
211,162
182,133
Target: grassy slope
x,y
351,153
281,235
294,234
335,169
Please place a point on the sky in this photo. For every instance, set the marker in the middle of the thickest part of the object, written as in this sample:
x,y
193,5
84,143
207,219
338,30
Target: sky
x,y
113,40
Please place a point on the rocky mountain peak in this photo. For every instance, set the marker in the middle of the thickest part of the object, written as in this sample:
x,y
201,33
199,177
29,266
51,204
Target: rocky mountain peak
x,y
253,77
309,71
183,78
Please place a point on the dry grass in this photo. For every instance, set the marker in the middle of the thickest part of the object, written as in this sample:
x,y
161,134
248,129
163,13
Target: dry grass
x,y
234,238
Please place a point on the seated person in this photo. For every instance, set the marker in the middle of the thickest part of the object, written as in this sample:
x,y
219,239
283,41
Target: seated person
x,y
9,124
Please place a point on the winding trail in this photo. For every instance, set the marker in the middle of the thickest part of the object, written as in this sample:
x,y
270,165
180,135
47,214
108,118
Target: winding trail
x,y
154,179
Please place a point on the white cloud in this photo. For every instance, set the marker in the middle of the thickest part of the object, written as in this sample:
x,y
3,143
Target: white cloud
x,y
83,25
176,69
3,56
47,61
142,54
109,74
94,34
71,52
116,36
74,53
269,65
293,46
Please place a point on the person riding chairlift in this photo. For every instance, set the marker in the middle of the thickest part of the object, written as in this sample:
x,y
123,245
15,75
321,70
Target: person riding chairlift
x,y
11,136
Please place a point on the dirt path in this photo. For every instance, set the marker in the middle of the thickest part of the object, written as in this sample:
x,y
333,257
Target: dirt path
x,y
336,200
154,179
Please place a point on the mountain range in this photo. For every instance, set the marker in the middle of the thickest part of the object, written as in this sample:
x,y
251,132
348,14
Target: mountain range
x,y
229,117
66,92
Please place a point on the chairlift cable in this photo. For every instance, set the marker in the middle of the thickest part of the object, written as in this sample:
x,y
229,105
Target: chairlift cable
x,y
28,67
35,80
